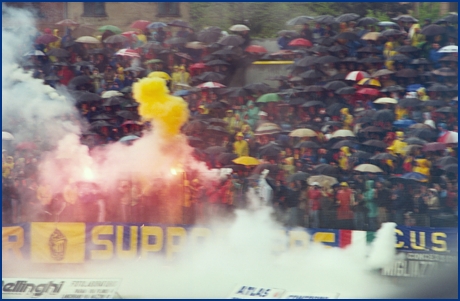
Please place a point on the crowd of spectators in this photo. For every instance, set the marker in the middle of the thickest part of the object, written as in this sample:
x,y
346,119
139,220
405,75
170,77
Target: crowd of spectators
x,y
383,95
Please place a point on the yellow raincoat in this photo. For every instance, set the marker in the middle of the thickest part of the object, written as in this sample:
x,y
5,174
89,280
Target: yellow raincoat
x,y
422,94
56,44
423,167
343,159
400,112
347,119
7,167
289,167
399,145
241,147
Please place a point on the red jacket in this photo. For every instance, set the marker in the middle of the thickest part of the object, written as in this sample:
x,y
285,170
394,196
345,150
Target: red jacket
x,y
314,197
344,199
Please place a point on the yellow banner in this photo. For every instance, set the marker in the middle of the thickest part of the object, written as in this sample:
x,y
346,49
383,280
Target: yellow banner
x,y
57,243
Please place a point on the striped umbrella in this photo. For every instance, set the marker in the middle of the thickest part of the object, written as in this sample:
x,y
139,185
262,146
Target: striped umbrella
x,y
268,128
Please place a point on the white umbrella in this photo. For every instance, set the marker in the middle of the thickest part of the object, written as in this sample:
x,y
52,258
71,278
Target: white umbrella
x,y
342,133
35,53
384,100
322,180
368,168
303,133
239,27
112,93
267,128
7,136
87,40
128,52
449,49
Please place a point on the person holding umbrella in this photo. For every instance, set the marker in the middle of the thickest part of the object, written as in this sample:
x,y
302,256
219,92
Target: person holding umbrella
x,y
240,146
306,32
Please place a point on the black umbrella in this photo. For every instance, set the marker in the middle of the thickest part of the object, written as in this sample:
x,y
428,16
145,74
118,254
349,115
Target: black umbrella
x,y
215,150
345,91
449,58
325,19
395,88
347,17
314,88
209,36
258,87
86,97
306,61
425,134
334,109
279,77
226,158
367,21
231,40
307,144
312,74
338,76
313,103
405,18
446,110
451,168
433,30
450,18
270,149
373,129
446,161
216,121
409,102
384,115
216,63
383,156
390,33
421,61
337,48
327,170
376,143
327,59
434,103
194,141
127,115
222,52
79,80
371,60
369,49
299,20
102,116
113,101
325,41
210,77
445,71
407,73
347,143
99,124
58,52
178,23
176,41
194,126
406,49
217,130
318,49
235,92
347,36
415,140
335,85
438,88
118,38
399,58
298,176
296,101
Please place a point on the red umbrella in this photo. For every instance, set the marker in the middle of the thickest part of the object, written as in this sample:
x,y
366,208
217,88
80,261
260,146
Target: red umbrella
x,y
26,145
129,34
357,75
255,49
46,39
198,66
67,22
140,24
449,138
210,85
300,42
368,91
128,52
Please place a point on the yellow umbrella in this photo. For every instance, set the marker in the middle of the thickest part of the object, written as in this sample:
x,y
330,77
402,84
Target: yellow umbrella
x,y
246,160
159,74
342,134
368,168
303,133
369,82
372,36
386,100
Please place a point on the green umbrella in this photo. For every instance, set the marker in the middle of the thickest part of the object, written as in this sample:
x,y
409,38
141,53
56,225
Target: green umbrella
x,y
269,97
111,28
154,61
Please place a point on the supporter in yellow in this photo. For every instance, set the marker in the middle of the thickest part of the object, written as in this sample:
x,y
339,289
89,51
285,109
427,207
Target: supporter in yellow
x,y
289,167
387,53
423,167
56,44
400,112
120,72
247,131
240,146
182,77
398,144
230,120
343,157
175,75
417,38
346,118
421,94
141,37
7,167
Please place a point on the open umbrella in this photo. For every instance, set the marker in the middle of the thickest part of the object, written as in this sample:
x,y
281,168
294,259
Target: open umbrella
x,y
270,149
128,52
346,91
449,49
127,115
239,27
391,33
446,161
46,39
347,17
405,18
79,80
300,42
307,144
372,129
140,24
327,59
209,36
269,97
215,150
370,168
451,168
246,161
371,36
383,156
129,138
404,123
334,109
298,176
35,53
386,100
414,176
312,74
303,133
368,91
211,77
216,130
342,134
325,19
118,38
58,52
306,61
299,20
335,85
357,75
102,116
433,30
7,136
369,82
255,49
258,87
111,28
395,88
226,158
409,102
113,101
313,103
449,138
415,140
340,144
369,49
210,85
326,169
376,143
322,180
436,87
347,36
366,21
433,147
425,134
267,128
382,72
445,71
384,116
231,40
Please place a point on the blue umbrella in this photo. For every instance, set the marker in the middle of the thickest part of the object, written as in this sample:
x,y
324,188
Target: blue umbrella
x,y
413,88
404,123
415,176
181,93
129,138
156,25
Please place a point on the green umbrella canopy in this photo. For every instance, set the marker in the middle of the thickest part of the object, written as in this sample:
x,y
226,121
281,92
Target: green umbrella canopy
x,y
111,28
269,97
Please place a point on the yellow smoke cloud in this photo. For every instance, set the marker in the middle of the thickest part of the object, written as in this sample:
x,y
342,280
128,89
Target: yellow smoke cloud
x,y
168,112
